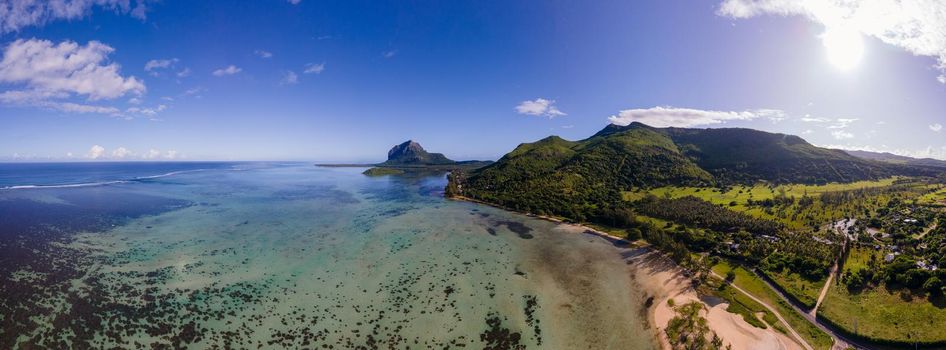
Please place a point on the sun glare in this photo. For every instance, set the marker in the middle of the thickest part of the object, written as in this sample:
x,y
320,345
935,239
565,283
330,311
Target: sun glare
x,y
844,47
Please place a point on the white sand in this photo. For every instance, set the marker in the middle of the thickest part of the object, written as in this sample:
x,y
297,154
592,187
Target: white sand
x,y
664,280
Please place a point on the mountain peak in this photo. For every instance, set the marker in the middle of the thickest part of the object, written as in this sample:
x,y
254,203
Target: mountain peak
x,y
615,128
412,153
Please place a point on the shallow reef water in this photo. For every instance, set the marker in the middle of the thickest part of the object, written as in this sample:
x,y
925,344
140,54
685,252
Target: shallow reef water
x,y
297,256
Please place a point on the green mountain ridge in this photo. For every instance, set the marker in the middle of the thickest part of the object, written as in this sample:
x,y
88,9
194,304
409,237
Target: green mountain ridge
x,y
554,175
897,159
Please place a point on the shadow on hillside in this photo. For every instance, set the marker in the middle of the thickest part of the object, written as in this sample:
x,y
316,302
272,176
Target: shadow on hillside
x,y
939,301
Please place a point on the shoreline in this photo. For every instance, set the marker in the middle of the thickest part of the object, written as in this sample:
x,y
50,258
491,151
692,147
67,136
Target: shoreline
x,y
662,280
656,293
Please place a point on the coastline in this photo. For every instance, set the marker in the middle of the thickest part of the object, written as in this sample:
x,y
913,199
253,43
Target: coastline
x,y
662,280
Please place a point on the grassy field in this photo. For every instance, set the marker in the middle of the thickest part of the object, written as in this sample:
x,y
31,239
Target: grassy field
x,y
753,284
795,217
805,291
740,304
741,194
882,314
937,197
858,257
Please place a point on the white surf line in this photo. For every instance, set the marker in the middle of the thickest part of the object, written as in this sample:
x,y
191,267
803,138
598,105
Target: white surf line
x,y
85,184
112,182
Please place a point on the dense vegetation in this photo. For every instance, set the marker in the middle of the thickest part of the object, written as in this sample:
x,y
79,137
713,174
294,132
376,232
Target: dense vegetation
x,y
772,203
696,212
578,179
382,171
688,329
746,156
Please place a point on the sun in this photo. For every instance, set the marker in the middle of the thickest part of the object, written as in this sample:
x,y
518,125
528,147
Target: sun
x,y
844,47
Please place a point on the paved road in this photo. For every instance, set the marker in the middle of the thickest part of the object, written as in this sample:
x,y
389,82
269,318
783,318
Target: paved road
x,y
774,312
840,341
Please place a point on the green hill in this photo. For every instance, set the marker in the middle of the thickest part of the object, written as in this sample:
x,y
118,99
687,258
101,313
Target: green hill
x,y
747,156
563,177
569,178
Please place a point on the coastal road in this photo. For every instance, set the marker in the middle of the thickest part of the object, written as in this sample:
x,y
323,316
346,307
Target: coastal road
x,y
772,309
840,341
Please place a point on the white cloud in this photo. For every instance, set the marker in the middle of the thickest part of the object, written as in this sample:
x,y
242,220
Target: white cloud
x,y
539,107
122,152
81,108
807,132
773,115
96,152
314,68
389,53
294,2
160,64
263,54
917,26
842,123
228,70
18,14
44,72
195,91
45,100
134,101
686,117
184,73
842,135
937,127
152,154
290,78
150,112
809,119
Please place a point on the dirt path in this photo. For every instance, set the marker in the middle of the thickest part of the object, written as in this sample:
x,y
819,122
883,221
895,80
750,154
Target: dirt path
x,y
788,326
928,229
824,290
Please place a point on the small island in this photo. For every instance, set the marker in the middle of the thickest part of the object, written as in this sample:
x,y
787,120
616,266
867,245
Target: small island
x,y
410,156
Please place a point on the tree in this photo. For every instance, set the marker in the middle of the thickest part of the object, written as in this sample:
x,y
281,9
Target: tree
x,y
933,285
689,330
730,276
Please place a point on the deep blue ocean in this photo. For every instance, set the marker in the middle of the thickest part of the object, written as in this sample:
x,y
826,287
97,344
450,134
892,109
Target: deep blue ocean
x,y
77,174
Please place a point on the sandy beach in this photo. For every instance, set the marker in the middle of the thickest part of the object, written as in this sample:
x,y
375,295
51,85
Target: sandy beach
x,y
662,280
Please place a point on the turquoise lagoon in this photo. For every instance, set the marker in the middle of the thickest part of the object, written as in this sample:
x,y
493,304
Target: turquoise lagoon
x,y
257,255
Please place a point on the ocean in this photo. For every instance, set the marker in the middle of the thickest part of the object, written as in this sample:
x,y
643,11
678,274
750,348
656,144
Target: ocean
x,y
290,255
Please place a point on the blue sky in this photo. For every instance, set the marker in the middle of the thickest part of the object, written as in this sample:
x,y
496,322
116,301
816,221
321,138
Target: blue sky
x,y
346,80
